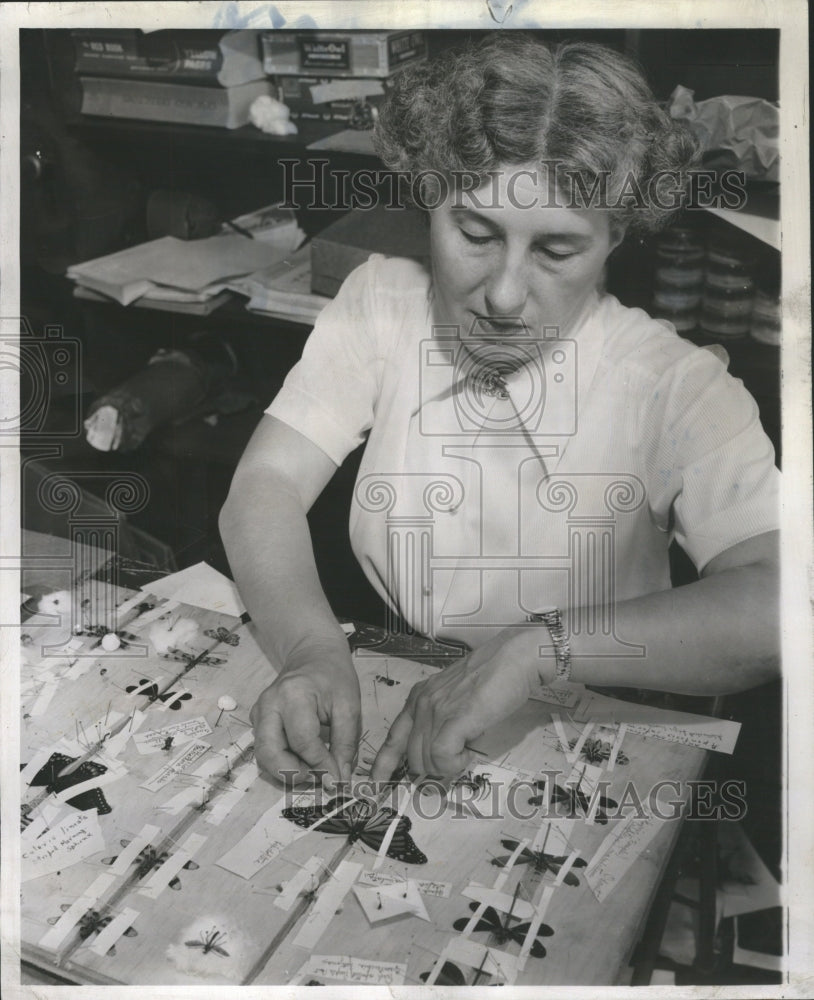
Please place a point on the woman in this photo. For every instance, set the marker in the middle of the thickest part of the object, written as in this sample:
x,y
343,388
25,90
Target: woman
x,y
531,443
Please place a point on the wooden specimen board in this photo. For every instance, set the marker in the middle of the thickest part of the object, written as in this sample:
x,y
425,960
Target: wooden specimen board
x,y
159,900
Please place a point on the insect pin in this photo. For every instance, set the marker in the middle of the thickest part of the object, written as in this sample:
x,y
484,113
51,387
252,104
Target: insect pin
x,y
210,941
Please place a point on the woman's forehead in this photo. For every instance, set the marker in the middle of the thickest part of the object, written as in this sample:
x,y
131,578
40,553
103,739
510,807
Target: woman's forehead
x,y
525,198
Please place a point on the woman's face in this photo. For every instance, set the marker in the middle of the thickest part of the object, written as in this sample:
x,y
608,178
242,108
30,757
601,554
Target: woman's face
x,y
507,262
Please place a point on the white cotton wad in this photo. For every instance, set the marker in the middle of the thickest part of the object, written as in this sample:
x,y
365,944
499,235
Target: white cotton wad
x,y
200,951
270,115
59,604
172,634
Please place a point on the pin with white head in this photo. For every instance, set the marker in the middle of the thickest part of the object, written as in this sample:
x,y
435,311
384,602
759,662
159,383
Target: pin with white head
x,y
226,703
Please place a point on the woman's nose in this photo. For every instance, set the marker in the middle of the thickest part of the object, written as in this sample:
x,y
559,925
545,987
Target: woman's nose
x,y
507,288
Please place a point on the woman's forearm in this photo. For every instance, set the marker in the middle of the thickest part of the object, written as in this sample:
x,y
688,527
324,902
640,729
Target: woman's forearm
x,y
716,636
267,540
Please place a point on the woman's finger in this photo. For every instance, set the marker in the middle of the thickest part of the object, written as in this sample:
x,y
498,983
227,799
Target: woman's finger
x,y
394,747
419,744
272,752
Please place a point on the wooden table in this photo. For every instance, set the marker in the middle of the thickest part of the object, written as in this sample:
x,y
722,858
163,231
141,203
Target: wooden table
x,y
173,910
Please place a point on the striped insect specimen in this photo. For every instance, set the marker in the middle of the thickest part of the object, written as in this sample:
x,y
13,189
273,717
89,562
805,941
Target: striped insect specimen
x,y
223,635
364,821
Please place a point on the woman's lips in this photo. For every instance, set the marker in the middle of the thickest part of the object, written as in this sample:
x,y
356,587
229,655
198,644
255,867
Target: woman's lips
x,y
505,327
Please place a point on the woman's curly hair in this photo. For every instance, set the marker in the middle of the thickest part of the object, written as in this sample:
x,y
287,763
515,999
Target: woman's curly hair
x,y
512,100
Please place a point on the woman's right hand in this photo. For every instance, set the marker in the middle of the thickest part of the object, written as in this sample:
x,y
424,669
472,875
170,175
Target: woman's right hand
x,y
314,698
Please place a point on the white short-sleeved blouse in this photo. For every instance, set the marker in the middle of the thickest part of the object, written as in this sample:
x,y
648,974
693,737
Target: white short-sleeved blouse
x,y
472,510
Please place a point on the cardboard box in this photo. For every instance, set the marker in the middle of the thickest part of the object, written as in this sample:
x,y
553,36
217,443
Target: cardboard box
x,y
348,242
341,53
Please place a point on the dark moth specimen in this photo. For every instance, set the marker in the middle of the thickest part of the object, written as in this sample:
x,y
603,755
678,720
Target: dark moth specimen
x,y
540,861
503,930
364,821
576,802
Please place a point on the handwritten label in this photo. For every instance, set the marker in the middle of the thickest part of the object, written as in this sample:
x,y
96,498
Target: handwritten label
x,y
327,903
182,762
267,838
347,969
699,731
426,887
68,843
181,732
617,853
388,901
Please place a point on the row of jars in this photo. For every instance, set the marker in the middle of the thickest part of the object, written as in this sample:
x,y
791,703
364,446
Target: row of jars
x,y
714,288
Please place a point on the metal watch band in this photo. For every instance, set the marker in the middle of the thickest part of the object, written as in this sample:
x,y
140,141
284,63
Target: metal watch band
x,y
552,619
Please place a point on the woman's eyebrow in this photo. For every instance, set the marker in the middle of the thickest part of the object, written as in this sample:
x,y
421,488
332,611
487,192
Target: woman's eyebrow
x,y
567,236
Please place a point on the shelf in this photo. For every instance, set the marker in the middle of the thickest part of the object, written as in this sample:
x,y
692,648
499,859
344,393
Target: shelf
x,y
761,216
764,229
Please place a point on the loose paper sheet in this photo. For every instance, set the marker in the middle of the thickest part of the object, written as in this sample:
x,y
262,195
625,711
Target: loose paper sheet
x,y
347,969
202,586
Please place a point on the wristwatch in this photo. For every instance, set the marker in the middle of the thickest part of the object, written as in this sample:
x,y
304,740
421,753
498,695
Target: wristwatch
x,y
552,619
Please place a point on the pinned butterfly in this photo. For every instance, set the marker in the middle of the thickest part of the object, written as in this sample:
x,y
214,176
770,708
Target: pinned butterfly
x,y
360,820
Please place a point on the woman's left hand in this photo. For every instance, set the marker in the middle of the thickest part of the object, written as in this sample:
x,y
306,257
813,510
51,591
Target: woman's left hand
x,y
445,712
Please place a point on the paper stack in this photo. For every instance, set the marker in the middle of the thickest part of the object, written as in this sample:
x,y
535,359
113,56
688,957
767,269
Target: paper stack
x,y
169,271
283,290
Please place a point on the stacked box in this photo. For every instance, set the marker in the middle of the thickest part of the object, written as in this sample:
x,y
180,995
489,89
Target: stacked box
x,y
365,54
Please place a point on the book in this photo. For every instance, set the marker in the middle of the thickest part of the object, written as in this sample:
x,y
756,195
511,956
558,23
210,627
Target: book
x,y
204,57
226,107
341,53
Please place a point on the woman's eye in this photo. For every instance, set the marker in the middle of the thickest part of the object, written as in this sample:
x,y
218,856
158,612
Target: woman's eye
x,y
556,255
474,238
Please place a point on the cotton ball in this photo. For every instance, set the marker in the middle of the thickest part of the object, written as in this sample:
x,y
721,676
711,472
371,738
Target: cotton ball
x,y
226,703
59,603
172,635
270,115
110,642
210,949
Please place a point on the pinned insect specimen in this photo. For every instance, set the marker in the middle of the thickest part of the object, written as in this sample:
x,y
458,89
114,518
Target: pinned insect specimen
x,y
476,783
92,922
193,659
503,930
451,975
173,699
167,744
576,801
100,631
223,635
145,686
210,942
148,859
539,861
596,750
364,821
57,774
